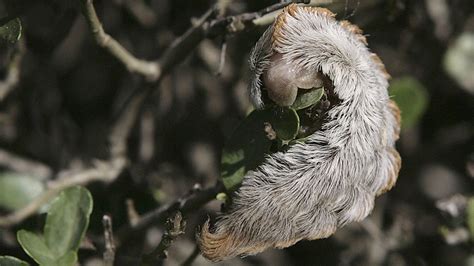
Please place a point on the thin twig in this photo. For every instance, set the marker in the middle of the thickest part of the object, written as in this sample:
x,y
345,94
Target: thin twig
x,y
346,16
181,47
189,202
222,56
104,171
25,166
175,227
132,213
101,171
109,253
205,27
122,127
150,70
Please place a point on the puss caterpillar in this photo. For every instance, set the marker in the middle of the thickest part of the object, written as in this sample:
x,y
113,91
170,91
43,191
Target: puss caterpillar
x,y
313,188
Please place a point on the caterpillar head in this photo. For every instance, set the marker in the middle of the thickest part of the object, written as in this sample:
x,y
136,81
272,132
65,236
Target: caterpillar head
x,y
275,68
282,80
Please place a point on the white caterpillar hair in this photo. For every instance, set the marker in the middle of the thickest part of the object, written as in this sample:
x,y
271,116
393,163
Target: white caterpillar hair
x,y
311,189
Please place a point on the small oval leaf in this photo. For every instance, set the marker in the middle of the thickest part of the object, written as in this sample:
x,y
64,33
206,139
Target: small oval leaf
x,y
459,60
69,259
308,98
17,190
285,122
35,246
245,149
11,261
412,99
67,220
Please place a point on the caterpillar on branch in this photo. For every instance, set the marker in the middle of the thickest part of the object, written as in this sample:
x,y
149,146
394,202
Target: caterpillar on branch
x,y
311,189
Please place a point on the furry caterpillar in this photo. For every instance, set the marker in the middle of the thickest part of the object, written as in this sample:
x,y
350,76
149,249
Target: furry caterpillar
x,y
313,188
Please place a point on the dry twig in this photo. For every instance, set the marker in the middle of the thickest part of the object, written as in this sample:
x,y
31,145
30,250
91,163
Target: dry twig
x,y
101,171
175,227
104,171
205,27
194,199
149,70
109,253
222,56
23,165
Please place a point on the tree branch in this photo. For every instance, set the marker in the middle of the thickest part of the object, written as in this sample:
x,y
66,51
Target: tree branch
x,y
107,171
205,27
194,199
23,165
150,70
175,227
102,171
182,46
109,253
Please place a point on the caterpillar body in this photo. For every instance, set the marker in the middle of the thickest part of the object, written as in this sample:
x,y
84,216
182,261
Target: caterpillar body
x,y
313,188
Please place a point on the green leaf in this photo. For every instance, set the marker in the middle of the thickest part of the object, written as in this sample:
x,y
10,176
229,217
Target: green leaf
x,y
67,220
11,261
412,99
11,31
18,190
459,60
35,246
308,98
285,122
470,216
69,259
470,261
245,149
66,223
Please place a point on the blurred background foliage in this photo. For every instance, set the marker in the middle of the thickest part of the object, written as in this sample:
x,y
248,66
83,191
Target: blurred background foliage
x,y
60,93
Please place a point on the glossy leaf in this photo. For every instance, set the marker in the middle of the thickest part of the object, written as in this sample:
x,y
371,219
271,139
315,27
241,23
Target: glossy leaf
x,y
18,190
66,223
35,246
285,122
245,149
412,99
69,259
308,98
11,261
67,220
11,31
